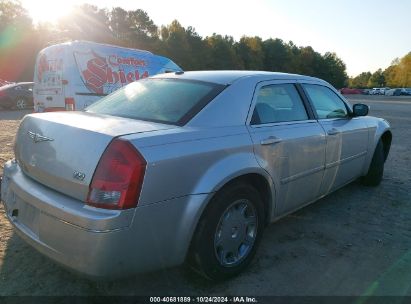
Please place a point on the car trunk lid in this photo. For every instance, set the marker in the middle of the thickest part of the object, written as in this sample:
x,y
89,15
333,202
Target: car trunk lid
x,y
61,150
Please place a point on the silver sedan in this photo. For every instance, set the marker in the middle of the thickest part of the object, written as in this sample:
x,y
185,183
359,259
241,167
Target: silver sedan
x,y
185,167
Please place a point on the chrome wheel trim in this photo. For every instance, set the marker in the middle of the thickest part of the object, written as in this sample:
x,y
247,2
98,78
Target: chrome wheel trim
x,y
236,233
21,103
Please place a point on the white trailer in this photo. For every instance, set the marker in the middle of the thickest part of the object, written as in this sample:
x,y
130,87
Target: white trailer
x,y
71,76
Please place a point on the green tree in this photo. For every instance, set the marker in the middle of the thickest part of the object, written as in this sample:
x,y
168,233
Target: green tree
x,y
16,49
142,32
360,81
141,24
13,16
333,70
184,46
223,55
119,24
276,55
377,79
87,22
200,53
134,28
250,51
176,45
308,61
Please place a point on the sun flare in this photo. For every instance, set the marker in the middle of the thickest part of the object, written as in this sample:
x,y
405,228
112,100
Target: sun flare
x,y
48,10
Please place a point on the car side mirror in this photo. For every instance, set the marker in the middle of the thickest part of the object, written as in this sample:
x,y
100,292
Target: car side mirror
x,y
360,109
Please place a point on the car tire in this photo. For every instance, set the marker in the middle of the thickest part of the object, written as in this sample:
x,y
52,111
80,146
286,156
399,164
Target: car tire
x,y
376,170
228,232
20,103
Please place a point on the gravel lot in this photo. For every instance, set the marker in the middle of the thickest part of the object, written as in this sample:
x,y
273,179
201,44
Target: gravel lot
x,y
357,241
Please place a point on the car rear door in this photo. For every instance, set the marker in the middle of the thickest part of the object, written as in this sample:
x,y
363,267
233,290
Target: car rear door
x,y
346,136
288,143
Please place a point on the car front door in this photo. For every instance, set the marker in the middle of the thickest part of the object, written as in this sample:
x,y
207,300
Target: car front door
x,y
346,137
288,143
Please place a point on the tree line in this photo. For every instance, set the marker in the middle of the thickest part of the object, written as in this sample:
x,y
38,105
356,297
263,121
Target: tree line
x,y
20,41
397,75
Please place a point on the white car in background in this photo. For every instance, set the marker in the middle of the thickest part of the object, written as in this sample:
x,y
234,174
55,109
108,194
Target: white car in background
x,y
375,91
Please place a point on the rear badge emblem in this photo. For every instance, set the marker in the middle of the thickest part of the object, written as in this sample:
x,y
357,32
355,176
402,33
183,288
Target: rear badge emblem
x,y
36,137
79,175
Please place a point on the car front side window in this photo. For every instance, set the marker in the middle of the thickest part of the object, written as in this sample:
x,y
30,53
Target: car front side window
x,y
326,103
278,103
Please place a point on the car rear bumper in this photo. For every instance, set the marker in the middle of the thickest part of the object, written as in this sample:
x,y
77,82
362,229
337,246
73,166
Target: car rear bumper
x,y
95,242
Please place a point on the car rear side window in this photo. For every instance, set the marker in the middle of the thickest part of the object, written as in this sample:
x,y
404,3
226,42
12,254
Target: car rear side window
x,y
278,103
326,103
170,101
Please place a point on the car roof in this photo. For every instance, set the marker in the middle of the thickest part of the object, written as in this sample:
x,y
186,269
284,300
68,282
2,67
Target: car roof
x,y
92,43
229,77
23,83
14,84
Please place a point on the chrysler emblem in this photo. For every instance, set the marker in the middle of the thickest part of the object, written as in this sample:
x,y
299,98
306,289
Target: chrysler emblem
x,y
36,137
79,175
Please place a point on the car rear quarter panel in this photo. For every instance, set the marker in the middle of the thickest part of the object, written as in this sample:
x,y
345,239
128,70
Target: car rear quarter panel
x,y
189,167
193,161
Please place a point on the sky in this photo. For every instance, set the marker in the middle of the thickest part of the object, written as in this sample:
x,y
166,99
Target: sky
x,y
365,34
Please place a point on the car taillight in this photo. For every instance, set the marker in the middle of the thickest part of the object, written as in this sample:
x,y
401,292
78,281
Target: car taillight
x,y
70,104
117,181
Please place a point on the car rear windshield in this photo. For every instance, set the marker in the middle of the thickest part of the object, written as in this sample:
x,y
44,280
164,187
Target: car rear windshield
x,y
170,101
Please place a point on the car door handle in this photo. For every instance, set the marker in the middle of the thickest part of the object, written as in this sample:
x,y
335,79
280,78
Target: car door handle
x,y
333,131
270,140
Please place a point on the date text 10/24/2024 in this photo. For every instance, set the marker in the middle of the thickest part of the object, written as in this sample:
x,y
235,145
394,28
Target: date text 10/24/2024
x,y
203,299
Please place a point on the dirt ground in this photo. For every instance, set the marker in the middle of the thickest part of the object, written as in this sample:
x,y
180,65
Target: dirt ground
x,y
356,241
